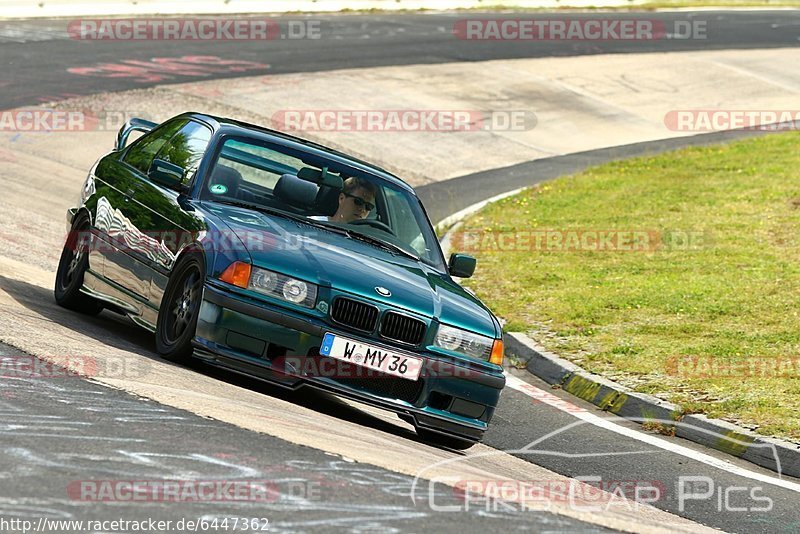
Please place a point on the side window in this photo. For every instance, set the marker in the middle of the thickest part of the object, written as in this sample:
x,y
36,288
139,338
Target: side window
x,y
186,148
142,152
404,223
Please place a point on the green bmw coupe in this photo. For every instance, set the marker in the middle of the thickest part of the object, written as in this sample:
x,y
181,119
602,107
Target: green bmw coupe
x,y
287,261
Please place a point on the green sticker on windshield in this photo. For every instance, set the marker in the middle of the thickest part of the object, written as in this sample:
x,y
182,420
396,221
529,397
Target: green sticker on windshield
x,y
218,189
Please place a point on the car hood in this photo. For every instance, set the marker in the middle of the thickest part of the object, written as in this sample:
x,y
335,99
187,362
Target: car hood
x,y
330,259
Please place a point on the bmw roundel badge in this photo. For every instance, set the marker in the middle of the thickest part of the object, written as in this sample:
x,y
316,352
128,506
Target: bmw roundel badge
x,y
383,291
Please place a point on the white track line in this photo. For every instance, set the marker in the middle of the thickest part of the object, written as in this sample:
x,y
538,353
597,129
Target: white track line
x,y
588,417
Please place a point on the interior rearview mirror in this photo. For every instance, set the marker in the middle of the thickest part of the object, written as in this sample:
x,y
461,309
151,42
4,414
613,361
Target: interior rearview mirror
x,y
321,177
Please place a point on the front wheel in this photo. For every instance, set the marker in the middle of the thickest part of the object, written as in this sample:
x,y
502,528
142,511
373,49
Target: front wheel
x,y
72,267
177,317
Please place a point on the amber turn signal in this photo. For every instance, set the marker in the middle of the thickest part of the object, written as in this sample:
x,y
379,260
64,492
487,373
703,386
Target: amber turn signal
x,y
238,274
497,352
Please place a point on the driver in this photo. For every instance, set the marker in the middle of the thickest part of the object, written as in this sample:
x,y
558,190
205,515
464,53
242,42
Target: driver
x,y
356,200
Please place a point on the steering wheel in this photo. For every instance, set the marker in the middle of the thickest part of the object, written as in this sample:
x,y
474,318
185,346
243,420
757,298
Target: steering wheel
x,y
374,223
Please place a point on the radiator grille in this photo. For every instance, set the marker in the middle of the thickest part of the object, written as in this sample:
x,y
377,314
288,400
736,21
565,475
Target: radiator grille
x,y
354,314
402,328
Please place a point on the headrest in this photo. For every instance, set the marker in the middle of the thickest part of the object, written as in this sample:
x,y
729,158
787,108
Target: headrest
x,y
227,176
327,201
295,191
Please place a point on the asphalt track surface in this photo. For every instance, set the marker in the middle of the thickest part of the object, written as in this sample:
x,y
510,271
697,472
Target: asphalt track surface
x,y
37,53
137,444
65,440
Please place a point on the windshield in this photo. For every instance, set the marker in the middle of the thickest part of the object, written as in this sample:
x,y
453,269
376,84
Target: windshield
x,y
270,176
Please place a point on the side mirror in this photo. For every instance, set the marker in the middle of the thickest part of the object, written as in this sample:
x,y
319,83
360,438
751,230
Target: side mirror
x,y
166,174
461,265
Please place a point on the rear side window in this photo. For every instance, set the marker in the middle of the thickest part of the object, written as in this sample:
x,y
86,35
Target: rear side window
x,y
143,151
186,148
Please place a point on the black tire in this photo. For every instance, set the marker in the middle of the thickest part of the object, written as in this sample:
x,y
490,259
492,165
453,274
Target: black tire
x,y
440,440
71,270
180,307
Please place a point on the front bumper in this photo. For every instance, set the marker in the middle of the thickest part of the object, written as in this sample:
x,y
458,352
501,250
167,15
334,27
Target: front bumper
x,y
282,346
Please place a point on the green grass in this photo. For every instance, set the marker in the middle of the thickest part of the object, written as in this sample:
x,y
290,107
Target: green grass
x,y
730,297
633,6
665,4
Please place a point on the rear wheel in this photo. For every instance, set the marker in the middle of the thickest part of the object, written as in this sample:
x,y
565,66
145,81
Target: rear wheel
x,y
177,317
71,270
441,440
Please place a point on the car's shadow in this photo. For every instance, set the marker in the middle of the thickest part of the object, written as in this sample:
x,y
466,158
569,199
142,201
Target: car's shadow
x,y
121,333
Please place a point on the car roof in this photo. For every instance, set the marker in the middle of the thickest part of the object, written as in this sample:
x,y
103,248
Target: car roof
x,y
236,126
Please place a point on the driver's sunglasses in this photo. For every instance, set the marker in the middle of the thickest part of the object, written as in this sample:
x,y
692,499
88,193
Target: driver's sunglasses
x,y
360,202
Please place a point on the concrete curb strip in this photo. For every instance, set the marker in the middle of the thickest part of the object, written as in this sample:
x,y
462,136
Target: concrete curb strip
x,y
774,454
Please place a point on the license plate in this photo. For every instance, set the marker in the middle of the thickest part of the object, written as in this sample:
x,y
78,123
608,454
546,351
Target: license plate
x,y
385,361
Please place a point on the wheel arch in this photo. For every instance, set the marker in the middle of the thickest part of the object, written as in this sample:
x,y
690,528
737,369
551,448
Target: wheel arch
x,y
79,212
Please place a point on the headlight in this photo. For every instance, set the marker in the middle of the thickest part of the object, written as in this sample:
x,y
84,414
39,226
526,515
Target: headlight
x,y
295,291
283,287
467,343
263,280
270,283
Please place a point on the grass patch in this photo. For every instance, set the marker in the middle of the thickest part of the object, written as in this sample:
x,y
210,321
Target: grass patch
x,y
666,4
634,5
702,311
658,428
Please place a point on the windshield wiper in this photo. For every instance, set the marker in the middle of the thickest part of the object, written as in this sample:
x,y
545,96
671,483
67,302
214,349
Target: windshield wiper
x,y
381,243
